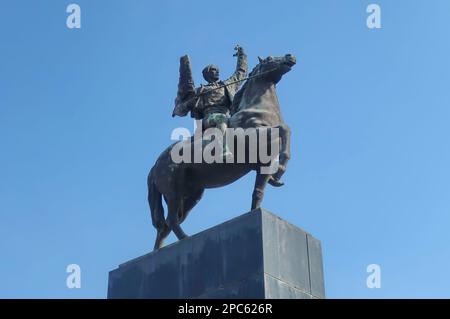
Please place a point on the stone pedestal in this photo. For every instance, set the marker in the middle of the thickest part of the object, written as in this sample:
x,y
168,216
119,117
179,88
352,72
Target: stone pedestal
x,y
256,255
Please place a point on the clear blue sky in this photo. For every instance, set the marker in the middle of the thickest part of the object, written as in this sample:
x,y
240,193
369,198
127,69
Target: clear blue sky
x,y
85,113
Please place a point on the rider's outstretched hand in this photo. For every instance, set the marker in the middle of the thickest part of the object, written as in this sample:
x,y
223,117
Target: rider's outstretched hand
x,y
239,50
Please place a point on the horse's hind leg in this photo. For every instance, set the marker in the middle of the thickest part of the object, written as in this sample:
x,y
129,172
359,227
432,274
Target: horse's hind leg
x,y
157,212
161,234
258,191
175,208
178,211
189,203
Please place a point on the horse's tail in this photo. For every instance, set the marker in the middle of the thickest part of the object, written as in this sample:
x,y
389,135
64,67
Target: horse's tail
x,y
155,203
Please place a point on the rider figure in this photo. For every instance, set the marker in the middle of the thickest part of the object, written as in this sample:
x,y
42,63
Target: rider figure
x,y
211,102
215,98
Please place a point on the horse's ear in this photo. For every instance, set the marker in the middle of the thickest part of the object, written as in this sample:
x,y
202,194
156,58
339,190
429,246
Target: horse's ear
x,y
260,59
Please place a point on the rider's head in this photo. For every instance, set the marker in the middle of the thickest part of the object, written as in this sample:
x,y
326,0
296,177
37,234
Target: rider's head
x,y
211,73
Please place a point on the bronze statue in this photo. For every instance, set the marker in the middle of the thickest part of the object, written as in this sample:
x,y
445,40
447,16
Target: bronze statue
x,y
254,106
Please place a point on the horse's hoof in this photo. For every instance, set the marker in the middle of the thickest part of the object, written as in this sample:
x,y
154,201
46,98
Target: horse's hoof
x,y
275,182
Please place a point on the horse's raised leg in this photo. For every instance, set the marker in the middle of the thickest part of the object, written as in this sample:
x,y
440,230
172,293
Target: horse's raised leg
x,y
258,190
285,154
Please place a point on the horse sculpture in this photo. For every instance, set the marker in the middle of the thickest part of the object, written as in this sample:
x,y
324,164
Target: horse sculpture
x,y
182,184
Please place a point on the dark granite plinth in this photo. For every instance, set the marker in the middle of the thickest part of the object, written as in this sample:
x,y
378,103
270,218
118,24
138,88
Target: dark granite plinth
x,y
256,255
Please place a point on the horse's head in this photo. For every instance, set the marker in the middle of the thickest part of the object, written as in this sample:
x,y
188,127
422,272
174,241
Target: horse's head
x,y
261,83
273,68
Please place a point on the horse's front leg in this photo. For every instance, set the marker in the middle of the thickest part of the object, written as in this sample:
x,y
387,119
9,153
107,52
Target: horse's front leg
x,y
258,190
285,155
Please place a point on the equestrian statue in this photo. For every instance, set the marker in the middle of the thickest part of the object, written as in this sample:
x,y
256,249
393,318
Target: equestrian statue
x,y
224,111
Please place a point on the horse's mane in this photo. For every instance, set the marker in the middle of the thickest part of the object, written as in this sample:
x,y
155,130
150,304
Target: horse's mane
x,y
238,96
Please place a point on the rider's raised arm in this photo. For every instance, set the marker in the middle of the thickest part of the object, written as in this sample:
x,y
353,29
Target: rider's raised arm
x,y
241,70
